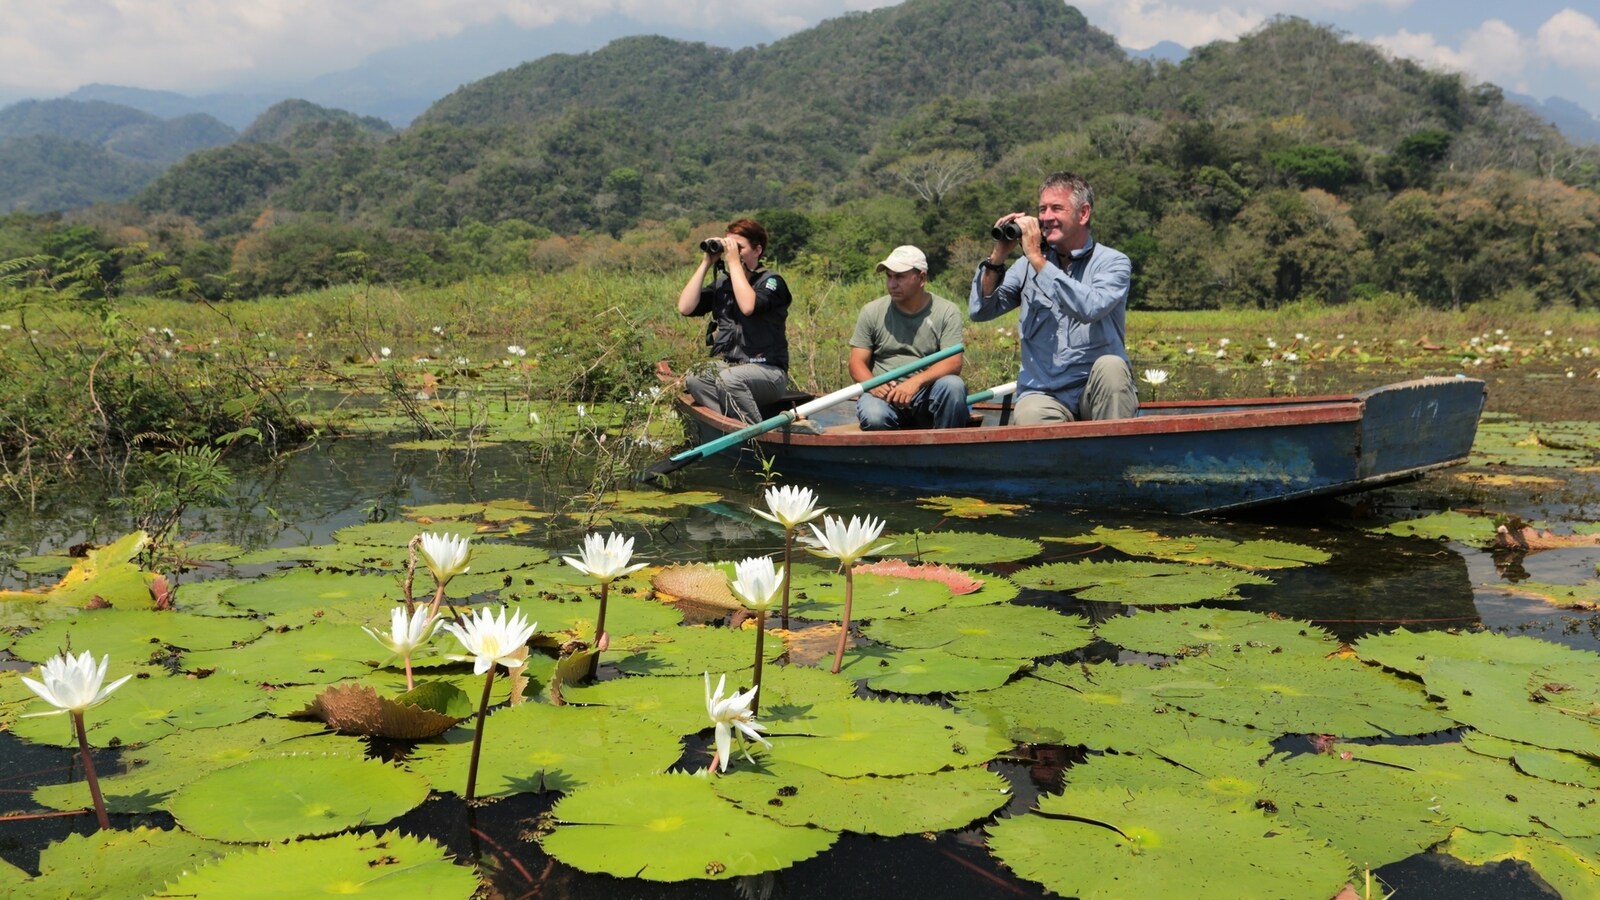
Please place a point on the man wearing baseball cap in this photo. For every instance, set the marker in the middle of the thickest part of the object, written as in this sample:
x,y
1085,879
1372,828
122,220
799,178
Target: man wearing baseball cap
x,y
907,325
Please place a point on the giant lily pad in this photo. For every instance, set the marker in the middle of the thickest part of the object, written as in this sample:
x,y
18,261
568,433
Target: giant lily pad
x,y
969,507
318,653
1569,866
957,547
926,671
1375,814
1141,843
799,795
533,747
1449,525
295,796
1497,698
134,635
159,768
1206,631
687,651
673,828
151,707
113,863
1256,554
390,866
852,738
105,573
1551,765
678,703
301,595
1225,770
1139,583
818,594
988,632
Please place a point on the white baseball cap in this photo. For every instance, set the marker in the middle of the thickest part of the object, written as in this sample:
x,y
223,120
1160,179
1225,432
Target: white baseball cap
x,y
903,259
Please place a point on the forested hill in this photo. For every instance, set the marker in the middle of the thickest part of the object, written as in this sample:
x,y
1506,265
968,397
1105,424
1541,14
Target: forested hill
x,y
1288,164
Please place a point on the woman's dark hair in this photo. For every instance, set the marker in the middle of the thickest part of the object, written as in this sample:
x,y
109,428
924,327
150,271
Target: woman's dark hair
x,y
750,230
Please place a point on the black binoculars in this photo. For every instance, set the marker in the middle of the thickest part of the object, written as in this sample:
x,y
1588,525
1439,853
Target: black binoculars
x,y
711,245
1010,231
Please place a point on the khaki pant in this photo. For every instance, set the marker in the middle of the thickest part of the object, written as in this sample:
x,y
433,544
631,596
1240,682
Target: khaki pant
x,y
1109,394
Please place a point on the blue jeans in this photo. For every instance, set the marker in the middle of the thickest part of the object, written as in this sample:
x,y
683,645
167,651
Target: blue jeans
x,y
942,404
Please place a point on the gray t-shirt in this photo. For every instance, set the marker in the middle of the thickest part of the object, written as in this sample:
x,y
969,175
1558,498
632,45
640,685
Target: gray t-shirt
x,y
896,338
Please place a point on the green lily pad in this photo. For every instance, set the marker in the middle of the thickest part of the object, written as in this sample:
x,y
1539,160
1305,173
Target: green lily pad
x,y
1449,525
574,616
1102,707
926,671
1486,794
1140,843
398,533
134,635
504,510
688,650
159,768
1414,652
1139,583
673,828
678,702
1284,695
1498,699
105,573
799,795
819,595
1214,632
345,556
1375,815
295,796
150,707
963,547
319,653
969,507
1256,554
989,632
114,863
995,590
1225,770
1551,765
1568,866
301,594
534,747
46,564
389,866
852,738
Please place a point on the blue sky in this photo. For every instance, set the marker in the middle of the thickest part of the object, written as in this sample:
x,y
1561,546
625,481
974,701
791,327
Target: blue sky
x,y
49,47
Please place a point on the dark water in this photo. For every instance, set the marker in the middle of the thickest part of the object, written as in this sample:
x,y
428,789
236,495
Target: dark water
x,y
1372,583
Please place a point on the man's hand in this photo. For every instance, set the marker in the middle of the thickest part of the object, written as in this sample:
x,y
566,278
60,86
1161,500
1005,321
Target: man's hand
x,y
1032,241
901,393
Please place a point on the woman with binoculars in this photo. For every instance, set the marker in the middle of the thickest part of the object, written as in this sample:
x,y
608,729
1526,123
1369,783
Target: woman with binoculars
x,y
748,306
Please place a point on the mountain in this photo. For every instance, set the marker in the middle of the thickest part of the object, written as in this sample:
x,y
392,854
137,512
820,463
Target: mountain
x,y
234,110
284,120
1165,50
45,173
1577,123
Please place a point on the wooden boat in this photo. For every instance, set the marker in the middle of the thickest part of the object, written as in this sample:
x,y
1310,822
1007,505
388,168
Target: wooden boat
x,y
1187,457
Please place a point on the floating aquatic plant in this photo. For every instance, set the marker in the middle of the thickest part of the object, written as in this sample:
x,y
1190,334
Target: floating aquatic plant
x,y
605,559
732,715
847,543
73,684
790,507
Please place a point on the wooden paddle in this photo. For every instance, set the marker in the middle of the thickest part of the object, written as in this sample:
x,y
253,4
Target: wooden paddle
x,y
694,454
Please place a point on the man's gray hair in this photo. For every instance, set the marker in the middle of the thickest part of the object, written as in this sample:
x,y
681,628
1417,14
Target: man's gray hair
x,y
1070,181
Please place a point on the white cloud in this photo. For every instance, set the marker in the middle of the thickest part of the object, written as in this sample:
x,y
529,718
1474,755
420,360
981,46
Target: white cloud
x,y
1141,23
1571,39
1493,51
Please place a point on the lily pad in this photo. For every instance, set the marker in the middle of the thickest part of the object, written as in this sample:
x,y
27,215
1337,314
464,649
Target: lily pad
x,y
1566,865
105,573
956,547
687,650
1464,528
150,707
1225,770
319,653
295,796
926,671
134,635
1140,843
799,795
852,738
969,507
114,863
389,866
1214,632
534,747
1551,765
159,768
1254,554
301,595
988,632
398,533
673,828
1140,583
1375,814
678,702
818,594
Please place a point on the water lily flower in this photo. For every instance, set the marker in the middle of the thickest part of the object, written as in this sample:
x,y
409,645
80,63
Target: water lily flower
x,y
1155,377
406,633
605,558
72,684
791,507
446,555
384,352
847,543
490,639
756,582
732,715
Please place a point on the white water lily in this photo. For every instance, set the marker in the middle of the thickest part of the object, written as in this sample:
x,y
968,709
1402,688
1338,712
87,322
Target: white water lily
x,y
732,714
493,639
406,633
1155,377
790,506
756,582
73,683
605,558
446,555
847,543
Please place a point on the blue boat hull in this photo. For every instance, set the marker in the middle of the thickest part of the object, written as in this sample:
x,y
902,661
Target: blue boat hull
x,y
1188,458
